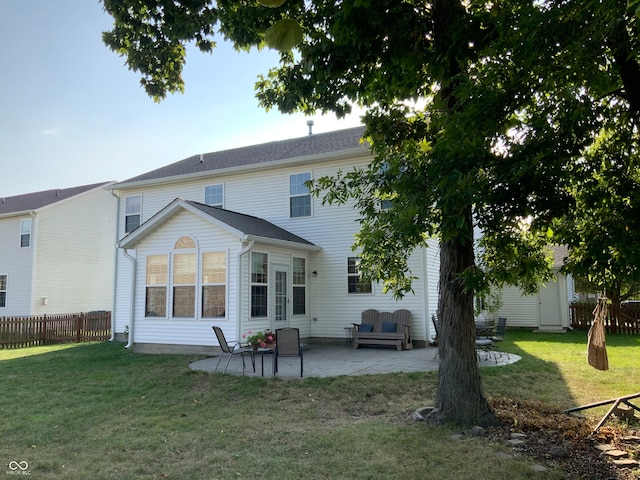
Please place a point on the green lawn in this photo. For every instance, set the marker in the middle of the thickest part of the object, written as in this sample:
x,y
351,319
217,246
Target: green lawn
x,y
99,411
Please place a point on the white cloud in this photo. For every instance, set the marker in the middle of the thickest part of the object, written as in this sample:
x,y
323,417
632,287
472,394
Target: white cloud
x,y
51,131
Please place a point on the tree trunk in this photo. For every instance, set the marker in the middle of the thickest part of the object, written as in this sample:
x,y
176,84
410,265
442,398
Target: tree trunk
x,y
460,397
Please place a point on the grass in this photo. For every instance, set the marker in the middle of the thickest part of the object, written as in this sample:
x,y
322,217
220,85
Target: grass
x,y
99,411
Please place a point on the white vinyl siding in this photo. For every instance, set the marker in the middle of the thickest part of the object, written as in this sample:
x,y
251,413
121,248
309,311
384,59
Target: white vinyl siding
x,y
329,307
185,331
17,264
74,240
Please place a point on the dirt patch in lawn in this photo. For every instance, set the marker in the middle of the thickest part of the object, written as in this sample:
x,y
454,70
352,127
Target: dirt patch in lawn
x,y
554,438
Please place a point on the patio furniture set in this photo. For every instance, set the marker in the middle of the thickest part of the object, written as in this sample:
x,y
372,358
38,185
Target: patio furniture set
x,y
376,329
287,345
488,336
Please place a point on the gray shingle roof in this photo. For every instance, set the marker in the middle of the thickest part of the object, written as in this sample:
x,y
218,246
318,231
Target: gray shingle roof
x,y
249,225
36,200
313,145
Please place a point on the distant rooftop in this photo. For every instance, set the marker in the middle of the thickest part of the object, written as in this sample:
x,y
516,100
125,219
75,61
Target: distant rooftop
x,y
36,200
308,146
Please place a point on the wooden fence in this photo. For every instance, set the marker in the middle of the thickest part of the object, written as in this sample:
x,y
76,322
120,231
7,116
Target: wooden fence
x,y
624,320
18,332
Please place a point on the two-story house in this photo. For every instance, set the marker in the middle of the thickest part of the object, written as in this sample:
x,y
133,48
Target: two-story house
x,y
234,239
57,251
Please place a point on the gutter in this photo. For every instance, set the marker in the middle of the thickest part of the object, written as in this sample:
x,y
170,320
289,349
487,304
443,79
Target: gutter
x,y
245,250
132,307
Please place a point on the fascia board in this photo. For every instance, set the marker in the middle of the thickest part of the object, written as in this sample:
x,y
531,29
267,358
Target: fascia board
x,y
22,213
282,243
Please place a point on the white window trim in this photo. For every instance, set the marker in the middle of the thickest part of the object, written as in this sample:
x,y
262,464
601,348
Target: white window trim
x,y
252,284
166,286
310,173
221,185
305,285
6,290
353,275
131,214
201,285
26,221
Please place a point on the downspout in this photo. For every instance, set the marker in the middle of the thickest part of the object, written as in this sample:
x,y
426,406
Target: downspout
x,y
239,286
115,271
132,307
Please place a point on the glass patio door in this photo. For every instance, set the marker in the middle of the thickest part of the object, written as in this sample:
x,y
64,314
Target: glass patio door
x,y
281,301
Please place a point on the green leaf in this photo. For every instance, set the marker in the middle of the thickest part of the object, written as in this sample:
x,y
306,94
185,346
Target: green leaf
x,y
633,6
271,3
284,35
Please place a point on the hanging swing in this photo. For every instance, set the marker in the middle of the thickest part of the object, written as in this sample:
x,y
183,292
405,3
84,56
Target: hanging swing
x,y
597,347
597,358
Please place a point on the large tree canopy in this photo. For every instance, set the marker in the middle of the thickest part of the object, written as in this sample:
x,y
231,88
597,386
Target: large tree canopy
x,y
506,116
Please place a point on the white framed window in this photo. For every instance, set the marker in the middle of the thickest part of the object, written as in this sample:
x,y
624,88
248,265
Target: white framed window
x,y
157,269
132,212
259,284
3,291
184,278
355,283
25,233
214,284
299,286
299,196
214,195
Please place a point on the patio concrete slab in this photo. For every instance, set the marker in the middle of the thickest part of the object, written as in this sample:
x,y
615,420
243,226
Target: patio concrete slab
x,y
322,360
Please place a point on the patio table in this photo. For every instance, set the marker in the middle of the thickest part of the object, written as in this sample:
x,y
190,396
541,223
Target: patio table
x,y
262,351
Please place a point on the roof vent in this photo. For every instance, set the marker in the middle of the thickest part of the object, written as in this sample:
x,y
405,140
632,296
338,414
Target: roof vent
x,y
310,125
201,159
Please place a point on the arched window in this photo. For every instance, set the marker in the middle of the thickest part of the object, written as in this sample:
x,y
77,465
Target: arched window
x,y
185,242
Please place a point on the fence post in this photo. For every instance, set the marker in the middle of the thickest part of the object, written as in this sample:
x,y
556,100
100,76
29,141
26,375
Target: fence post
x,y
79,326
43,329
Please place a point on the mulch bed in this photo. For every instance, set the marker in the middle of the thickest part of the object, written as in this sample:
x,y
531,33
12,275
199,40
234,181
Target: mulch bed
x,y
546,427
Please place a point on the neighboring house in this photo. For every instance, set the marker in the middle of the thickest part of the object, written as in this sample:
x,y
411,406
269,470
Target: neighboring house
x,y
234,239
548,310
57,251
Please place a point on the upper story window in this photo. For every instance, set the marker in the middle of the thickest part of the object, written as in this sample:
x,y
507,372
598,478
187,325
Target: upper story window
x,y
356,284
3,291
386,204
132,212
25,233
299,196
214,195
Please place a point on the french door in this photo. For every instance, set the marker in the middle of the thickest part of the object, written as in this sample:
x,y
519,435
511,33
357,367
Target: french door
x,y
281,299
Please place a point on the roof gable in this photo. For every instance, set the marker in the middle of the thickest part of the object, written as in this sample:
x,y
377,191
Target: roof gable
x,y
245,227
34,201
263,154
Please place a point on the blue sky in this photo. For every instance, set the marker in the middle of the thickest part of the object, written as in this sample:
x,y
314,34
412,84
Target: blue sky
x,y
71,113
